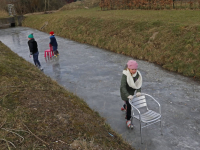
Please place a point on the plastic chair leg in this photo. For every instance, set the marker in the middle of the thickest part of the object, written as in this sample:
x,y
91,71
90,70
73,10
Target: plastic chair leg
x,y
49,54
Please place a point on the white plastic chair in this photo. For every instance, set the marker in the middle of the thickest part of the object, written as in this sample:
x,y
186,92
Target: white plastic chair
x,y
145,115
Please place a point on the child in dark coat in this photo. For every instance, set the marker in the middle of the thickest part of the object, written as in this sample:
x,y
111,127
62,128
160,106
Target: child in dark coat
x,y
54,43
131,83
33,47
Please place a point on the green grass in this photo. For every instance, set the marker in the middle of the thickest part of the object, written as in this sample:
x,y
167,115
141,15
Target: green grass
x,y
133,32
37,113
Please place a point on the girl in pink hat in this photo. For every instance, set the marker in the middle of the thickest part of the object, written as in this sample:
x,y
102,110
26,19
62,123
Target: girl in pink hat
x,y
131,83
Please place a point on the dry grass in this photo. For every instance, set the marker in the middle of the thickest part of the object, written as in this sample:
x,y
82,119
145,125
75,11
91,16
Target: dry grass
x,y
37,113
3,13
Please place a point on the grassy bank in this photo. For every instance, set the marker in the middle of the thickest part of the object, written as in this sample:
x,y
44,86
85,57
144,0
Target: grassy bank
x,y
3,13
169,38
37,113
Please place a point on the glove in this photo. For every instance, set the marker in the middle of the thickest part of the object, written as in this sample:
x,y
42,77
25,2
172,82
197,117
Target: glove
x,y
138,94
130,97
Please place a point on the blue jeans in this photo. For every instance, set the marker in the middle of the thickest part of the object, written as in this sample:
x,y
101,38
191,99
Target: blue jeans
x,y
35,59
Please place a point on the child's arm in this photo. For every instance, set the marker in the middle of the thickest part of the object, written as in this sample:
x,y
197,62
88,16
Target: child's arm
x,y
51,41
30,48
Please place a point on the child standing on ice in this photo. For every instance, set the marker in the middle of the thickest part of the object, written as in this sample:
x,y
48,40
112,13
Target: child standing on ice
x,y
53,43
33,47
131,82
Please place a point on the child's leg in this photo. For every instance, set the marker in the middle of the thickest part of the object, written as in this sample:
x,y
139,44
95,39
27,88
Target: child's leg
x,y
128,115
57,50
54,52
124,106
35,58
128,110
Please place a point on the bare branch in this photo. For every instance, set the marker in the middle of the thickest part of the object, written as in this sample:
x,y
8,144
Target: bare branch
x,y
3,123
35,135
7,142
14,133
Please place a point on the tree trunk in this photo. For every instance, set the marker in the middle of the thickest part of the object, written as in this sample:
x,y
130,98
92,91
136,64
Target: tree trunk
x,y
45,6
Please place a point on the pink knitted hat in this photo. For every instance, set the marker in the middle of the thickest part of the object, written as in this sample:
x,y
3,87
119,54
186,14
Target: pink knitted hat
x,y
132,64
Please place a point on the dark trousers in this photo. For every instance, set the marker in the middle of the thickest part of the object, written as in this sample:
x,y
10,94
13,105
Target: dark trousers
x,y
35,59
128,110
56,52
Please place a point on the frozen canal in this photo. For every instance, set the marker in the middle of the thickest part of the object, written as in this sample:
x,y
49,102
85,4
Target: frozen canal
x,y
94,75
